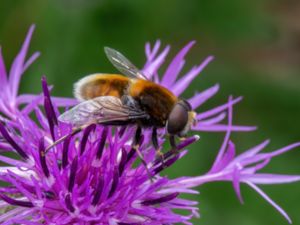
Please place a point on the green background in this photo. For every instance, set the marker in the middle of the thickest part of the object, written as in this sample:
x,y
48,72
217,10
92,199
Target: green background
x,y
257,48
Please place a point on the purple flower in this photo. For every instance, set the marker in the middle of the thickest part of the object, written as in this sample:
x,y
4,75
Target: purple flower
x,y
93,177
88,178
94,181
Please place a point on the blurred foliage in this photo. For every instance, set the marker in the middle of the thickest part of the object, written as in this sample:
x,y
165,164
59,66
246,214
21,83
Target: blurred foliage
x,y
257,49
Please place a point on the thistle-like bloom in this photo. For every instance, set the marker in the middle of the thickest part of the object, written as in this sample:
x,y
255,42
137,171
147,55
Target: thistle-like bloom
x,y
92,177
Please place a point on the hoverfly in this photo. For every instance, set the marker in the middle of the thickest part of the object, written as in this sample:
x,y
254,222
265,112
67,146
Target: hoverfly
x,y
128,99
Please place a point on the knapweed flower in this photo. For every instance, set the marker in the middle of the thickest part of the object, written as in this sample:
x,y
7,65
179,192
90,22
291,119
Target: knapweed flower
x,y
94,176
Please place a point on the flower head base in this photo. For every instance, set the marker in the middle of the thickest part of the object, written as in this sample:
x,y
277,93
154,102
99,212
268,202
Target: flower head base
x,y
92,177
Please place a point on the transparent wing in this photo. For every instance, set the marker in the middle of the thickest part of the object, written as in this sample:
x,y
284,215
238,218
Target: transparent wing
x,y
103,109
123,64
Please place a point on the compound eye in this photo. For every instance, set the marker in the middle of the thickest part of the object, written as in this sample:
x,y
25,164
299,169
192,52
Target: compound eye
x,y
177,120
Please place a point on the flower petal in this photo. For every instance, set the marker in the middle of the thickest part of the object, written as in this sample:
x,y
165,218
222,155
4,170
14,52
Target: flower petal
x,y
214,120
199,98
236,184
185,81
151,67
223,127
11,213
218,109
150,54
175,66
31,60
268,199
226,139
267,178
3,74
252,152
18,64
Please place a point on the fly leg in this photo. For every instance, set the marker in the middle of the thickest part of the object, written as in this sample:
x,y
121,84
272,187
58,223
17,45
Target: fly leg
x,y
159,154
172,152
173,145
136,145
